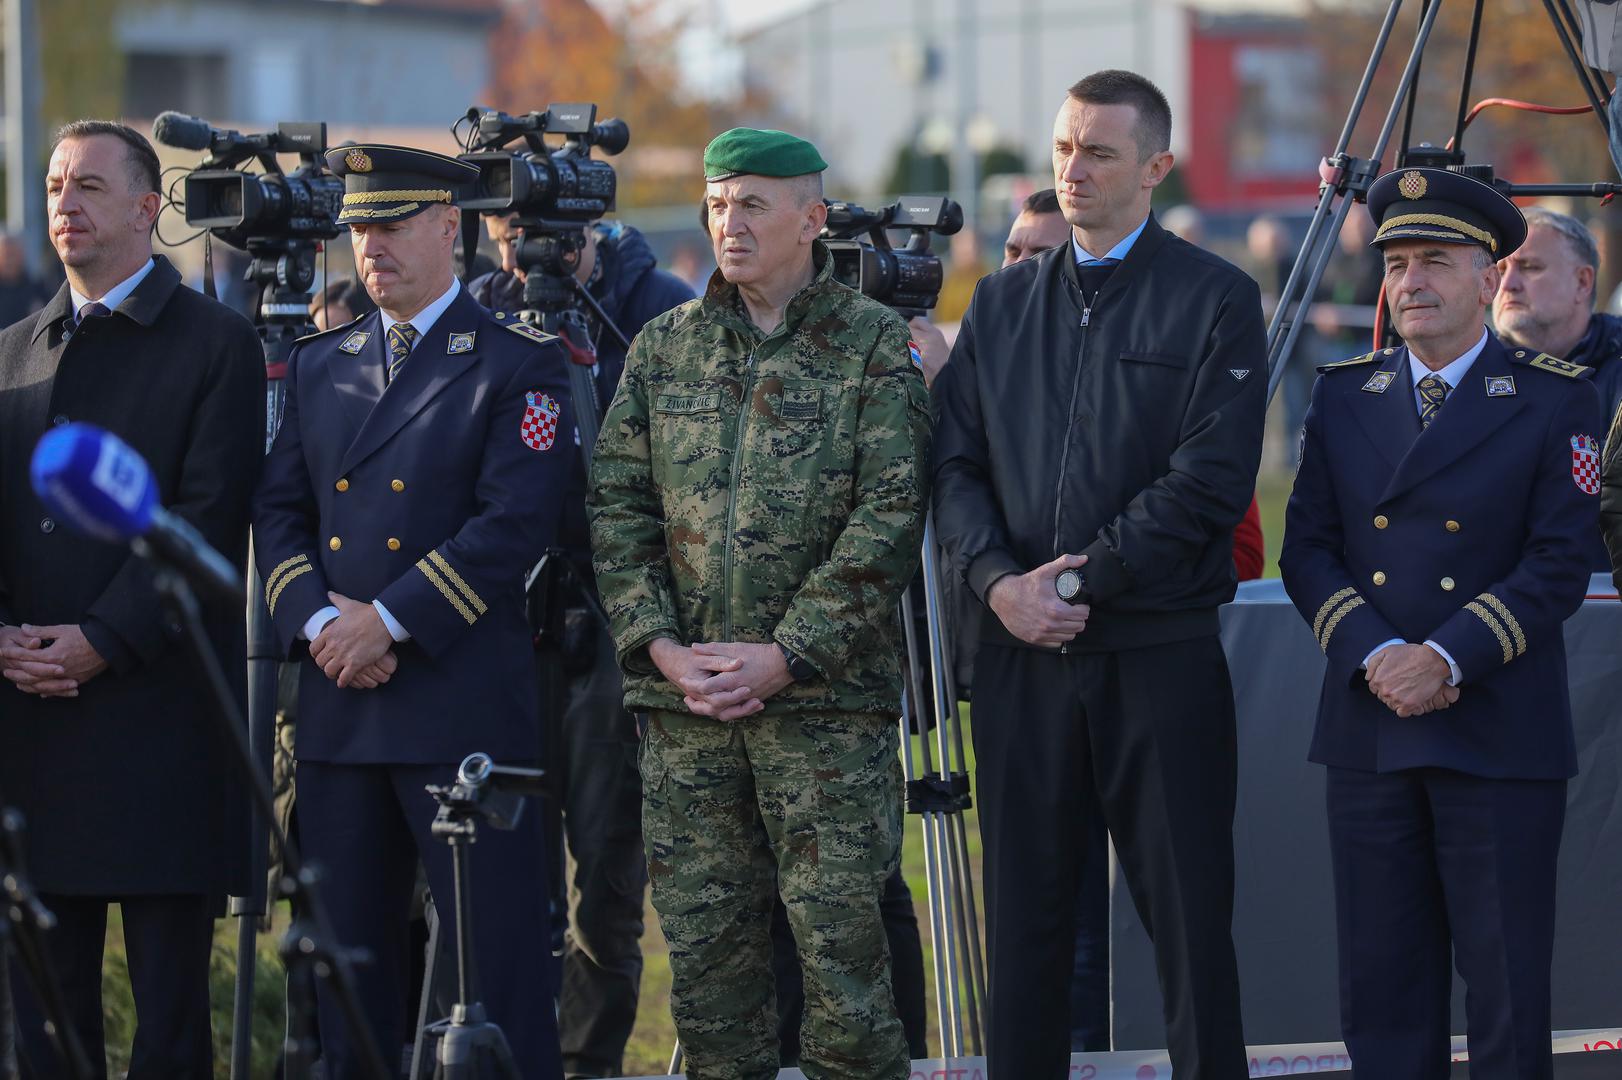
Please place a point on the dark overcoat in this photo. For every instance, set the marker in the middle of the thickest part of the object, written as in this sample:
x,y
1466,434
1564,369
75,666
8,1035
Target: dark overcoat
x,y
128,789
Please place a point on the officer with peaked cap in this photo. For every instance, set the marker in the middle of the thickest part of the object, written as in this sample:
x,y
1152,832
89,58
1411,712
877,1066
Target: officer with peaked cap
x,y
757,503
413,482
1435,542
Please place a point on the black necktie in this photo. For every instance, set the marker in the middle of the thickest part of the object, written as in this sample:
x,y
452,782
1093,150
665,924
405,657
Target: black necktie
x,y
1093,275
1433,390
401,337
93,310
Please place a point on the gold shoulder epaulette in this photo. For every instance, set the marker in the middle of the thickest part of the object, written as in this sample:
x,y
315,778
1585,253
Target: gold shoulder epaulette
x,y
1366,358
524,329
1554,364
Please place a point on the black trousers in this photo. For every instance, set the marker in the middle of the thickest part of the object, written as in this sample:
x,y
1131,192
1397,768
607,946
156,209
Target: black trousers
x,y
1434,869
1151,732
608,875
167,940
367,826
906,972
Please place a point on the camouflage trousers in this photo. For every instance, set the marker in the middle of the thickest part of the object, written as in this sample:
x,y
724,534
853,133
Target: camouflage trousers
x,y
809,806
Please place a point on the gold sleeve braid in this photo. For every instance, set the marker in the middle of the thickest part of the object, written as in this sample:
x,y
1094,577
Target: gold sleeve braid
x,y
1328,606
451,596
285,571
1480,611
1511,623
1341,612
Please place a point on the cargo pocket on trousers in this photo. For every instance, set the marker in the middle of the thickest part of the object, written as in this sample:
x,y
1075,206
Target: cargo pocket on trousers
x,y
658,832
858,823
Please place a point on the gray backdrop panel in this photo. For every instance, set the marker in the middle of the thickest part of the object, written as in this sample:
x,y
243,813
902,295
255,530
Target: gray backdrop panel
x,y
1284,913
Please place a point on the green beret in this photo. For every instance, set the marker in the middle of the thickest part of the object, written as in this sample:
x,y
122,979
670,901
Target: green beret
x,y
760,151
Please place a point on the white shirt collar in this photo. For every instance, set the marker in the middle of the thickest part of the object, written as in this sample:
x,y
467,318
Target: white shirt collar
x,y
424,320
1453,373
115,295
1118,252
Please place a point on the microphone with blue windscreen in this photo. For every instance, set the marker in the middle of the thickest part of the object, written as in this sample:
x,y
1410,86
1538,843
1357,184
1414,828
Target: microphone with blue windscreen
x,y
96,483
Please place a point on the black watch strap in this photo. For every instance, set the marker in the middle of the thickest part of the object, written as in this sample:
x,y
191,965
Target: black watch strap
x,y
799,669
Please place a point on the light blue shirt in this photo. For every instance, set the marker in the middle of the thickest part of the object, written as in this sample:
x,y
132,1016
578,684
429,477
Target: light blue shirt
x,y
1453,374
1118,252
422,322
113,296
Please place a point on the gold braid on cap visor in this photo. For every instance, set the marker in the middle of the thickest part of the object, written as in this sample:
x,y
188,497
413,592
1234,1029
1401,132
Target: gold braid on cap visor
x,y
1480,235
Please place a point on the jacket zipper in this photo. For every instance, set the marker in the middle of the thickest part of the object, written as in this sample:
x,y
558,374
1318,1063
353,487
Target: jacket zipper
x,y
732,498
1070,417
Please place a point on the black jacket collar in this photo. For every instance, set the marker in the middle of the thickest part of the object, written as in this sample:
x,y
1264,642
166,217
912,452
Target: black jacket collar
x,y
144,303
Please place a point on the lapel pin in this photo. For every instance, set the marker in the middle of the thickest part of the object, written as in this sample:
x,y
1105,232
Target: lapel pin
x,y
460,343
1500,386
1379,382
355,342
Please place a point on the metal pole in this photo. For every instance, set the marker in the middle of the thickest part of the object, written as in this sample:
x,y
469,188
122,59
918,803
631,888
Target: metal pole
x,y
939,928
1584,75
25,182
1469,75
1314,230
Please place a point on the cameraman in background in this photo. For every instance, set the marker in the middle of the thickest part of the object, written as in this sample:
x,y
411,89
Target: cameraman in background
x,y
602,797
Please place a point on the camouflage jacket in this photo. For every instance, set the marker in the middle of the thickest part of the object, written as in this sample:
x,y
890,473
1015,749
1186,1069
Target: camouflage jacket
x,y
751,487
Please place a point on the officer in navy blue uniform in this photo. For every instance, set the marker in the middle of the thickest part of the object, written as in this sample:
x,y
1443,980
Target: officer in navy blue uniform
x,y
415,479
1436,540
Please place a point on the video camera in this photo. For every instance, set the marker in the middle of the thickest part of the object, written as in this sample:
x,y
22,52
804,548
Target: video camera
x,y
909,279
542,185
247,209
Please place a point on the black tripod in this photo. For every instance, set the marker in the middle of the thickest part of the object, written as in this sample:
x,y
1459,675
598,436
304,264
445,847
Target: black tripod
x,y
24,922
1346,178
467,1045
284,270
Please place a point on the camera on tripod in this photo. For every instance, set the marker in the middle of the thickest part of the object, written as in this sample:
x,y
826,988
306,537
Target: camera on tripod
x,y
242,208
908,279
544,186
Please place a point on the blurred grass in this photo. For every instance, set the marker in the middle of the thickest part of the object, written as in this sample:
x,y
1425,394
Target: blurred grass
x,y
649,1050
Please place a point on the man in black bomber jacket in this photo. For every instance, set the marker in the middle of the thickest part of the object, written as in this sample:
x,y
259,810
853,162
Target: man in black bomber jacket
x,y
1100,425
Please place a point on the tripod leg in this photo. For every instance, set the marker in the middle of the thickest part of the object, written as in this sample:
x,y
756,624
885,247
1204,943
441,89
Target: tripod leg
x,y
675,1059
426,1003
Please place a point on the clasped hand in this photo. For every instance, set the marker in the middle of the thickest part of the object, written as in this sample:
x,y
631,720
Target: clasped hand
x,y
1032,611
49,670
1410,680
355,649
724,680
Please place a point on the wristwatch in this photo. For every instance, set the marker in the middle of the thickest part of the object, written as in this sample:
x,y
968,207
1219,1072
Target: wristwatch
x,y
1071,585
799,669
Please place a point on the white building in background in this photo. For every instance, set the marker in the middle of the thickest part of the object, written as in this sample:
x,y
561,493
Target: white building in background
x,y
864,77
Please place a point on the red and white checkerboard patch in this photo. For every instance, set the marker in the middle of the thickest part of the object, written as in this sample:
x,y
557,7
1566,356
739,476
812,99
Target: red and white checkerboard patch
x,y
539,428
1585,463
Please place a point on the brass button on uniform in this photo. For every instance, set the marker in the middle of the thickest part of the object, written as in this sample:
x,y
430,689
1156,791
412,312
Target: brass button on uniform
x,y
335,543
397,485
1452,526
1379,577
1381,521
342,485
1447,584
394,544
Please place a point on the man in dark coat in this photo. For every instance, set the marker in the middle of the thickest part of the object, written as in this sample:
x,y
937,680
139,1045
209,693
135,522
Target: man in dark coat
x,y
108,743
1436,540
414,481
602,790
1100,427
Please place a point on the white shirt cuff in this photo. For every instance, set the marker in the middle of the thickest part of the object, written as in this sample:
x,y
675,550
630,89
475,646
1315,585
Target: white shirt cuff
x,y
313,625
1455,676
1383,645
396,631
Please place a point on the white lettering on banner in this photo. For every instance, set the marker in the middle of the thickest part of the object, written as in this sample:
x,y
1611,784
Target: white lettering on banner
x,y
1290,1059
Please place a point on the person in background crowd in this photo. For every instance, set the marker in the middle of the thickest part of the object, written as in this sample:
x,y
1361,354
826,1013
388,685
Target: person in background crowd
x,y
21,294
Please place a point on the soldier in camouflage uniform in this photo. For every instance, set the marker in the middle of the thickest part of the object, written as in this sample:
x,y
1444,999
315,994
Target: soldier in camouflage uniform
x,y
757,504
